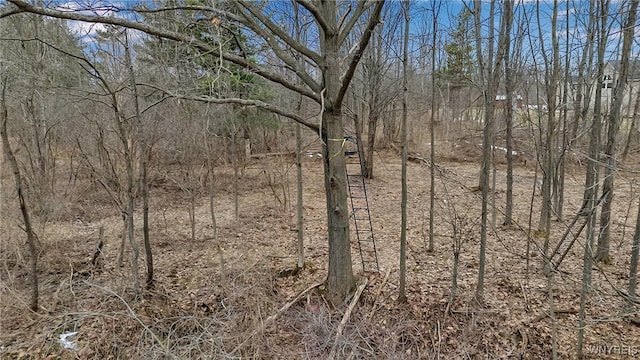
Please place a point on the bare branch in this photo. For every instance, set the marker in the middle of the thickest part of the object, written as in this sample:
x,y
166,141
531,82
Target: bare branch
x,y
171,35
364,40
210,9
344,31
296,66
277,30
316,15
244,102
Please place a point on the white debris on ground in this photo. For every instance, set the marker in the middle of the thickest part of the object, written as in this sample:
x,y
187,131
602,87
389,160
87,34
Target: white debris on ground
x,y
504,150
66,343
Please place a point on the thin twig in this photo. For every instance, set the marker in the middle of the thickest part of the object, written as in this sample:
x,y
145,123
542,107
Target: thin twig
x,y
345,318
374,307
136,318
271,318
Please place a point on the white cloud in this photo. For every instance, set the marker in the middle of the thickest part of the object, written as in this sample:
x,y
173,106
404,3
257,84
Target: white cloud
x,y
86,30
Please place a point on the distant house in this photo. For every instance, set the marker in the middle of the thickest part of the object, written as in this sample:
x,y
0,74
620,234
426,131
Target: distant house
x,y
501,101
607,83
611,73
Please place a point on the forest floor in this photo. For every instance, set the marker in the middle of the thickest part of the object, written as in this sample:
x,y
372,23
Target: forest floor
x,y
214,294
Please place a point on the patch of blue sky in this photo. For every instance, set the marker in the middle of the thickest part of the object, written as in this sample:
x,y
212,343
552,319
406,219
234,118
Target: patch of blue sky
x,y
532,19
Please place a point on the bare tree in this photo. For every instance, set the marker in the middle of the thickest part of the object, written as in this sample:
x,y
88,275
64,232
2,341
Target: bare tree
x,y
590,204
402,297
24,208
511,54
432,130
551,74
613,123
490,71
143,158
633,267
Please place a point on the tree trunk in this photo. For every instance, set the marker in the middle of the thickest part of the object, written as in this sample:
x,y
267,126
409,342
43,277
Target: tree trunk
x,y
432,140
548,173
510,119
633,267
490,75
589,207
402,297
372,128
31,236
340,279
143,166
300,208
602,253
486,144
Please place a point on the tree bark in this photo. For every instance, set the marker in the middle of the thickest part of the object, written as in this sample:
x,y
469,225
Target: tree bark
x,y
589,208
432,140
143,165
340,279
548,163
402,297
633,267
24,209
490,74
602,253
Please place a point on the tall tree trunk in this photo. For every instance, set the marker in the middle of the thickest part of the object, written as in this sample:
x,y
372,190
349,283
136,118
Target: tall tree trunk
x,y
510,119
614,115
432,139
402,297
300,205
548,173
633,267
486,145
589,208
374,102
340,279
17,177
143,165
490,74
566,140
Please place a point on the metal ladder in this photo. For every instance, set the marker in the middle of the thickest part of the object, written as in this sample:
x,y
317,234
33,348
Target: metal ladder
x,y
360,206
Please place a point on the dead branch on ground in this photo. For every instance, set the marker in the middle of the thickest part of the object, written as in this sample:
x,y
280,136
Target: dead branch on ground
x,y
270,319
346,316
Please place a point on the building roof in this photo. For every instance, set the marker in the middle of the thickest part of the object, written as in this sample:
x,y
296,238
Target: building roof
x,y
634,68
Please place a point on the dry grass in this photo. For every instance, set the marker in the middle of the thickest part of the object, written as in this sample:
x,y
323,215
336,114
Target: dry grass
x,y
206,302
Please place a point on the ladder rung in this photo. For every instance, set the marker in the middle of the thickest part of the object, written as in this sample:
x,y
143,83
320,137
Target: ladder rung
x,y
361,214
